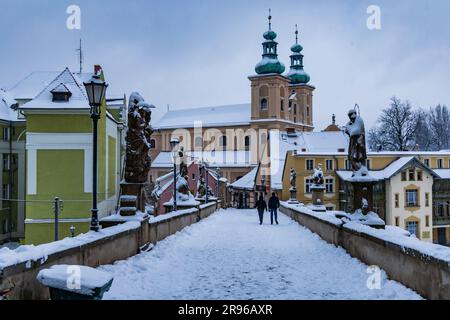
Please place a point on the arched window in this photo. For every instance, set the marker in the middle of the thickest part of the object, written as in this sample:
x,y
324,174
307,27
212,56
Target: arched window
x,y
152,144
264,97
264,104
282,94
247,142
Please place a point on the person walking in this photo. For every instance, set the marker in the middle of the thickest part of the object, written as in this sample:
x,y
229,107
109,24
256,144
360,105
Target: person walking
x,y
261,206
274,204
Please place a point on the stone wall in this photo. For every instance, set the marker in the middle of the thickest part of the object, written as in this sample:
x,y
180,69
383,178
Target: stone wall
x,y
425,273
18,280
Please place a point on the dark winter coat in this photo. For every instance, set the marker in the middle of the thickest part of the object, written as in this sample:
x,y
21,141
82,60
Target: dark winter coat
x,y
274,202
261,205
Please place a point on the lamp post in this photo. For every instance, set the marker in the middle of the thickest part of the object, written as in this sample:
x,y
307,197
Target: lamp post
x,y
96,90
217,185
174,142
206,183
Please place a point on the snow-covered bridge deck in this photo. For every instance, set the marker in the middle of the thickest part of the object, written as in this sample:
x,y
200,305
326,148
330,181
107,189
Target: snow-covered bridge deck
x,y
230,256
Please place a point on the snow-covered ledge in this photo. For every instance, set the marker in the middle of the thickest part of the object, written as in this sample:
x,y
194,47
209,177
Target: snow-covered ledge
x,y
422,266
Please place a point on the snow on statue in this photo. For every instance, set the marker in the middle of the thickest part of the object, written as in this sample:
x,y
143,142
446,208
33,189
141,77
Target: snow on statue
x,y
318,176
357,154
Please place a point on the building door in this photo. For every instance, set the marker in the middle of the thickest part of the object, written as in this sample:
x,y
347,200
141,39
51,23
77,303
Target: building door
x,y
241,201
441,236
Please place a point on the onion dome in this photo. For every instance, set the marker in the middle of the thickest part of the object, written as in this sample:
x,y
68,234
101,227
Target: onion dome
x,y
270,62
296,73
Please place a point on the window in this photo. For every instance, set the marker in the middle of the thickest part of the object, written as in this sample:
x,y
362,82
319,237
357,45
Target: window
x,y
440,163
368,164
309,164
411,198
397,200
5,134
6,161
329,208
308,184
295,108
193,176
397,221
419,176
440,209
329,164
329,185
5,191
427,199
413,227
427,221
347,165
282,104
426,162
247,142
264,104
403,175
411,175
152,144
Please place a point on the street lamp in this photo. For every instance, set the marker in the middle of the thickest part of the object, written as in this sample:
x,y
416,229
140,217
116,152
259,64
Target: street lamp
x,y
174,142
96,90
206,183
217,186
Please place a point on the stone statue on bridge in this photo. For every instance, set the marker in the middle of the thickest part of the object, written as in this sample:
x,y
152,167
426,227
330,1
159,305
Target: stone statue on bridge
x,y
357,154
138,160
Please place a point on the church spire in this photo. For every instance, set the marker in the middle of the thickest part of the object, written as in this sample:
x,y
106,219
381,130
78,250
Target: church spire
x,y
269,62
296,73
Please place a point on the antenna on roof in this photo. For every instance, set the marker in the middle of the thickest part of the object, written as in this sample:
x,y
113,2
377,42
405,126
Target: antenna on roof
x,y
80,57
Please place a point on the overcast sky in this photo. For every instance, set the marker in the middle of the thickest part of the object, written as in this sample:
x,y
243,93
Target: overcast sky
x,y
193,53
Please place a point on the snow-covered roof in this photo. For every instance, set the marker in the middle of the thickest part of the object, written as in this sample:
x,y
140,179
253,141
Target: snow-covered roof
x,y
221,159
388,172
247,182
29,87
71,81
6,112
303,142
231,115
443,173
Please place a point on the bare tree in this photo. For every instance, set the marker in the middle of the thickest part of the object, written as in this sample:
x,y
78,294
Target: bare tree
x,y
439,127
423,135
396,127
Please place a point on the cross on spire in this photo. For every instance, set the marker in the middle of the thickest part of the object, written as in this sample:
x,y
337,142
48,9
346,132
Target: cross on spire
x,y
270,19
296,34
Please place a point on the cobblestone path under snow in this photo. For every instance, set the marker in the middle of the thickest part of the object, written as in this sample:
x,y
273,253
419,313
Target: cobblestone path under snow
x,y
230,256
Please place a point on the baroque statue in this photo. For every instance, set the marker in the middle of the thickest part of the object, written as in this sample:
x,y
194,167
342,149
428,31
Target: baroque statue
x,y
138,161
357,154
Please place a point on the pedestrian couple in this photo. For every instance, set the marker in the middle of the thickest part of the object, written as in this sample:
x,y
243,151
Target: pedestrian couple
x,y
274,204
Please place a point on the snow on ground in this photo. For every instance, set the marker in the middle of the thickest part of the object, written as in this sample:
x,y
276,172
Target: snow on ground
x,y
230,256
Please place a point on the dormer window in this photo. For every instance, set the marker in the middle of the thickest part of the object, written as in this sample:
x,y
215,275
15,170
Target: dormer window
x,y
61,93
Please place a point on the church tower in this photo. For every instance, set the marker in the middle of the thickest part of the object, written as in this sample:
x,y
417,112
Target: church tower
x,y
281,101
301,93
269,87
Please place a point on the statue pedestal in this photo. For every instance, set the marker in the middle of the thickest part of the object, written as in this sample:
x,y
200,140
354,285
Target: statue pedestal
x,y
293,198
132,198
318,192
362,192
